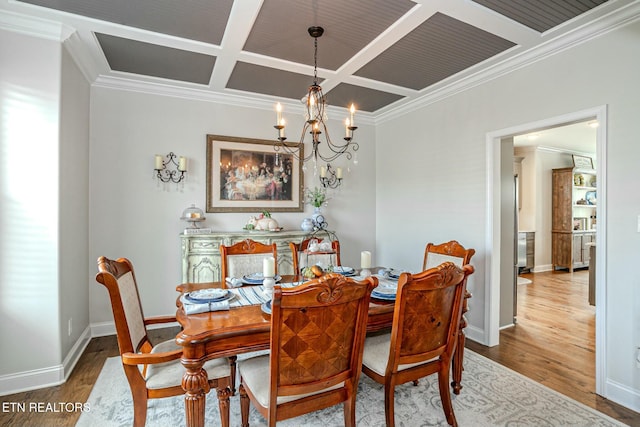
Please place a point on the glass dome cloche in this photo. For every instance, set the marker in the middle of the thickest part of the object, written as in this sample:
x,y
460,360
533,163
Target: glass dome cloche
x,y
193,215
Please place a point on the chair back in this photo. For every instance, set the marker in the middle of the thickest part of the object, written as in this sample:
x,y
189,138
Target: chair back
x,y
453,251
245,258
119,279
317,337
427,315
300,259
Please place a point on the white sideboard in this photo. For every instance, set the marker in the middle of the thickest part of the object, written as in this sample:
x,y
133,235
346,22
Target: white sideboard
x,y
201,252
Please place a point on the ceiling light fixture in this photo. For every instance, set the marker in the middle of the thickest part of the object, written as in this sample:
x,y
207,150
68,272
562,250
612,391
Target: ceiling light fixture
x,y
315,122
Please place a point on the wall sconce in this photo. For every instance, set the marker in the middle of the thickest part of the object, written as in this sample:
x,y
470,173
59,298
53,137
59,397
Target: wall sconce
x,y
170,170
329,177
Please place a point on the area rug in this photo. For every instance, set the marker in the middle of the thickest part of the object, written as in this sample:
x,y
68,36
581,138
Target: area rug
x,y
492,395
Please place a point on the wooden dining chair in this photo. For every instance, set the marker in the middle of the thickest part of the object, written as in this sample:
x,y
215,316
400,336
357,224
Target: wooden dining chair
x,y
297,252
152,371
244,258
317,333
241,259
423,335
435,255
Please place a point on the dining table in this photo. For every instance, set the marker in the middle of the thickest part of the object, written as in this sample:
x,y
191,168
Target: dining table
x,y
238,329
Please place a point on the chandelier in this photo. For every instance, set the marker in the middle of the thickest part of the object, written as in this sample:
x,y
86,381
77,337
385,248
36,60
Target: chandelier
x,y
315,125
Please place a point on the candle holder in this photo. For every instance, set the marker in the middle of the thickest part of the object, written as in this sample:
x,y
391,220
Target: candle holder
x,y
365,272
331,178
268,283
174,169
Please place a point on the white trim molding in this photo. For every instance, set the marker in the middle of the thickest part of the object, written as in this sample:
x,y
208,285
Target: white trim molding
x,y
45,377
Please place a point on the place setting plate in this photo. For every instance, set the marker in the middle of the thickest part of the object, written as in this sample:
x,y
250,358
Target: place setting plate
x,y
204,296
345,271
385,292
392,274
266,307
257,279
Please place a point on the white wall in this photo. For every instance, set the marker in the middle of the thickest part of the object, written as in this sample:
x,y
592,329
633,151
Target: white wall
x,y
436,179
131,217
74,205
29,191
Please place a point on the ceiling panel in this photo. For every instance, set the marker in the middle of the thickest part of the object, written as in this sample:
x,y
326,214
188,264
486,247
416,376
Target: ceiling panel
x,y
136,57
280,29
439,48
268,81
540,15
201,20
363,98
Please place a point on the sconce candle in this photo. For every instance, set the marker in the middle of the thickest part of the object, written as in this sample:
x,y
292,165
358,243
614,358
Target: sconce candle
x,y
339,173
182,164
158,162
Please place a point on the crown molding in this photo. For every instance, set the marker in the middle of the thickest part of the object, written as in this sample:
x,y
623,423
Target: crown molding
x,y
31,26
238,99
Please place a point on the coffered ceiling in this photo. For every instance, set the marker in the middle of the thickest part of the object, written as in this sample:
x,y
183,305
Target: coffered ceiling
x,y
380,54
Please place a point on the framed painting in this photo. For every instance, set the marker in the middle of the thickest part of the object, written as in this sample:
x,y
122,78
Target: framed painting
x,y
249,175
582,162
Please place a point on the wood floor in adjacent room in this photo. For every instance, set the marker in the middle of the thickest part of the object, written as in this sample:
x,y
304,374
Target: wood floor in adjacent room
x,y
553,343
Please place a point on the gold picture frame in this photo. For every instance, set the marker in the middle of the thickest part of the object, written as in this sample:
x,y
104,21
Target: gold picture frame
x,y
250,175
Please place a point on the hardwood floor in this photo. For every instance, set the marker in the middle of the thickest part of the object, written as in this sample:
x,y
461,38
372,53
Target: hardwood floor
x,y
552,343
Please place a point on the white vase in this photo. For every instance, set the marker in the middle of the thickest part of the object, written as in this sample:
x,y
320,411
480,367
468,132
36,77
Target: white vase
x,y
307,225
316,213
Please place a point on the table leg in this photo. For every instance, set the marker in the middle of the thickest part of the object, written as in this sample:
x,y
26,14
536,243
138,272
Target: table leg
x,y
196,386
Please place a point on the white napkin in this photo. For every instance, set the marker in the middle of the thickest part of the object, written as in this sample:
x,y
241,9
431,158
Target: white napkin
x,y
191,308
233,282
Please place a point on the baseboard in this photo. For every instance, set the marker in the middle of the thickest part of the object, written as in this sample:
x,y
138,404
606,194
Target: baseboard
x,y
622,395
475,334
45,377
542,268
76,351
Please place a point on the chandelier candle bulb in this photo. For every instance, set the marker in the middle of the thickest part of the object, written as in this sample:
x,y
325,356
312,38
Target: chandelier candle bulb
x,y
347,123
352,110
268,267
323,172
158,161
339,173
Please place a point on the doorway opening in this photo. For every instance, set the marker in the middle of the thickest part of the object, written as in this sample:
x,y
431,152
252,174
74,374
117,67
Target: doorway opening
x,y
501,245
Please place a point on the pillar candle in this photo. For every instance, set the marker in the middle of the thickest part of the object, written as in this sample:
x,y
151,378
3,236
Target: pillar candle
x,y
365,259
182,164
268,267
339,173
323,172
158,161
